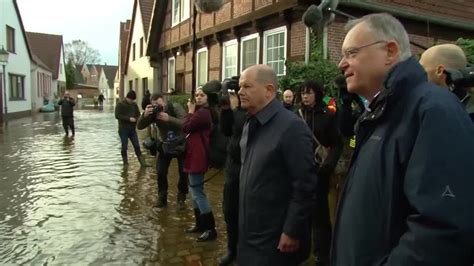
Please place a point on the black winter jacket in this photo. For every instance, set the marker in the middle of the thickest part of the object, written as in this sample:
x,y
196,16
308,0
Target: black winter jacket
x,y
232,123
323,124
408,196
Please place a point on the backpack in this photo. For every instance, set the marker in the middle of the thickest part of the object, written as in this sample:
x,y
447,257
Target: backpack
x,y
217,149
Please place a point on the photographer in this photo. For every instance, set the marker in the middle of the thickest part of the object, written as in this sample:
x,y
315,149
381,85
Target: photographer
x,y
167,117
67,113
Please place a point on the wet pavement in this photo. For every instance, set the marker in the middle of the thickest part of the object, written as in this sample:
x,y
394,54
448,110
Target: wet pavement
x,y
69,200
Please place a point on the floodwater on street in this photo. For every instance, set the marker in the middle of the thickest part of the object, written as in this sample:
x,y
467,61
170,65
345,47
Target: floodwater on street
x,y
67,200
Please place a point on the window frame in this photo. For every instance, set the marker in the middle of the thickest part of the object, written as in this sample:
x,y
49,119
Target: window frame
x,y
133,52
10,39
171,78
141,47
224,66
175,19
248,38
13,79
202,50
271,32
144,85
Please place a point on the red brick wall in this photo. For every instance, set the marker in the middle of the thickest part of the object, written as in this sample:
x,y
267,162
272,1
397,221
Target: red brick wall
x,y
297,39
224,13
214,62
262,3
179,63
336,34
242,7
454,9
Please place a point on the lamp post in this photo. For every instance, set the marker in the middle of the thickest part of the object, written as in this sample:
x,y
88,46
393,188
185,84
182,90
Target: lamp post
x,y
4,61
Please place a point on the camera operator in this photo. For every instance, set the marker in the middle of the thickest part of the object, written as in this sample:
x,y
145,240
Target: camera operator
x,y
438,61
167,117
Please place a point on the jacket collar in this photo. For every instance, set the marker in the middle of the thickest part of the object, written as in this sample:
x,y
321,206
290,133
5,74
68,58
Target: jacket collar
x,y
264,115
402,78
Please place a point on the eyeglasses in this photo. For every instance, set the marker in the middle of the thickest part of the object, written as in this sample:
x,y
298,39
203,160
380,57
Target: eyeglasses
x,y
352,52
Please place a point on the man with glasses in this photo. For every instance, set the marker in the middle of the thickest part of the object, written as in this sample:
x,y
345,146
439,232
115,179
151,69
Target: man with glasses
x,y
407,198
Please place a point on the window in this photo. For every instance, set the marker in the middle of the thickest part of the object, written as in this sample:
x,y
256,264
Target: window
x,y
141,46
133,55
10,39
180,11
201,67
274,49
249,51
144,85
17,87
229,59
171,75
136,85
130,85
185,9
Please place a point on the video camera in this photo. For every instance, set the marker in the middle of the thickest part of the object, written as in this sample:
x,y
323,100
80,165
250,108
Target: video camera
x,y
219,91
459,81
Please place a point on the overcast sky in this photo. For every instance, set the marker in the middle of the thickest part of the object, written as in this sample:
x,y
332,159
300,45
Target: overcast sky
x,y
95,21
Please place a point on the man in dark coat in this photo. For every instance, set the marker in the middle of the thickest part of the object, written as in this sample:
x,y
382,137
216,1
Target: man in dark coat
x,y
407,199
67,113
127,114
277,179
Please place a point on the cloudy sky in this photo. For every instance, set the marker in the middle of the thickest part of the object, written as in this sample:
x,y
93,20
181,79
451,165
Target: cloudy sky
x,y
95,21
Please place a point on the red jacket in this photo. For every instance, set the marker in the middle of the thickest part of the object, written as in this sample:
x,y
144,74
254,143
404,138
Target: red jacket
x,y
194,126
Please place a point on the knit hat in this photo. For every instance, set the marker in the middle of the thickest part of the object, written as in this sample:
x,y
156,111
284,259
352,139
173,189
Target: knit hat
x,y
132,95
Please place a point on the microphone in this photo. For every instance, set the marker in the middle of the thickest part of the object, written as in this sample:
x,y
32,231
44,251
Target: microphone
x,y
312,17
208,6
316,16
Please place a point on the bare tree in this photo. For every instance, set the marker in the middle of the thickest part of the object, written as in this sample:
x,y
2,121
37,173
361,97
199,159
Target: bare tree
x,y
79,52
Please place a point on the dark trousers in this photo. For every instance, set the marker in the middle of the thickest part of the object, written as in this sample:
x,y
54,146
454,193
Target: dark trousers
x,y
321,221
162,164
68,122
125,135
230,206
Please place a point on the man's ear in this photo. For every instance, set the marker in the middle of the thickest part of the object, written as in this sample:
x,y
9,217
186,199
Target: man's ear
x,y
270,90
393,52
440,75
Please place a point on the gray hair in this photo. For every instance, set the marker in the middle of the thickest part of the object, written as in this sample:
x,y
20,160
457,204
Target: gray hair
x,y
266,74
386,27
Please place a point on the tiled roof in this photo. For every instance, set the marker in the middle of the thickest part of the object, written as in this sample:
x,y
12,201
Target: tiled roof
x,y
146,8
110,72
78,76
40,63
124,32
47,47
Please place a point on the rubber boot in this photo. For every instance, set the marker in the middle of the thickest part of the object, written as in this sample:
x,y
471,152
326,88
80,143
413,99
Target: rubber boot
x,y
198,226
180,201
232,236
124,157
142,161
162,200
209,225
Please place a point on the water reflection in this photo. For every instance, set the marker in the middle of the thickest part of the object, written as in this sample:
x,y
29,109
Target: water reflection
x,y
67,200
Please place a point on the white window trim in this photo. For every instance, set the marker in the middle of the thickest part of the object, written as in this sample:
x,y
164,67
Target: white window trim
x,y
224,46
174,74
202,50
175,21
188,14
272,32
246,38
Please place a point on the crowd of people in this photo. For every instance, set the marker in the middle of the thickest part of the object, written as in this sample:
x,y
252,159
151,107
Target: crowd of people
x,y
405,198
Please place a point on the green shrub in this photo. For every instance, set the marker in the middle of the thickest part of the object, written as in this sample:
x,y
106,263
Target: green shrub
x,y
180,98
468,46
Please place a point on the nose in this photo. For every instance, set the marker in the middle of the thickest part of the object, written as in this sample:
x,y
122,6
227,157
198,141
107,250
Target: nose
x,y
240,92
343,64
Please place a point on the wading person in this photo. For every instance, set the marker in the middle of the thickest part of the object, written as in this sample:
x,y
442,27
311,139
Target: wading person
x,y
197,125
67,113
127,114
167,116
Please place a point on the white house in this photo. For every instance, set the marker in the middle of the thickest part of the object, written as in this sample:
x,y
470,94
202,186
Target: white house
x,y
18,75
41,81
106,80
139,73
48,49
